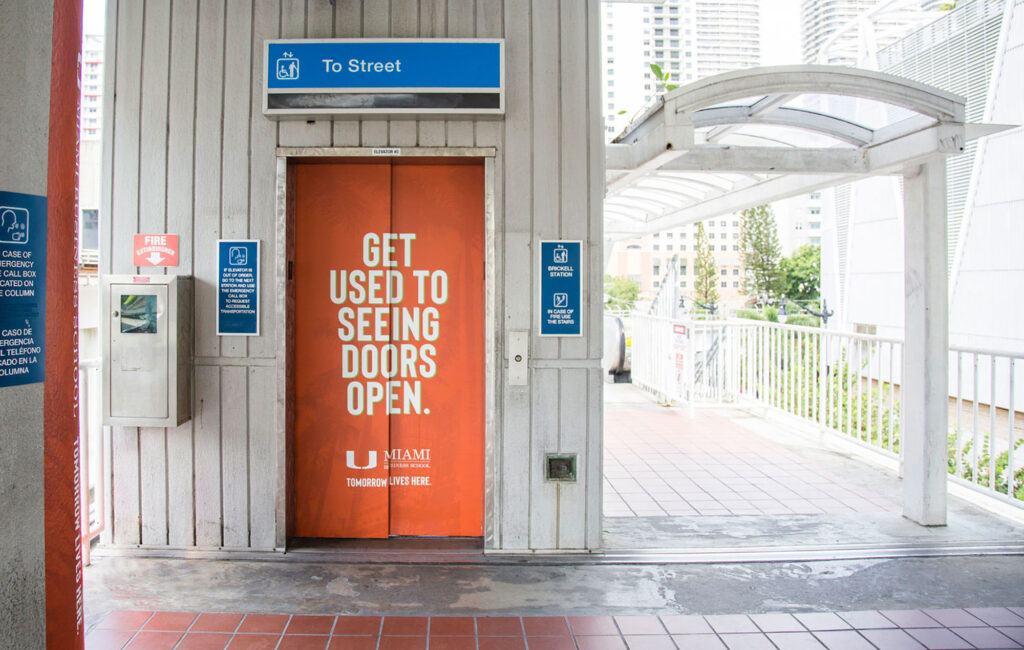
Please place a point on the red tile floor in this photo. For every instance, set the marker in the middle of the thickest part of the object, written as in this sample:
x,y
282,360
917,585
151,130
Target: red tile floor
x,y
662,462
885,630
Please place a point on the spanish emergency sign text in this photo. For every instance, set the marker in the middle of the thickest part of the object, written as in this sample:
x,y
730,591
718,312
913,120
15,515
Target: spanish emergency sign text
x,y
22,288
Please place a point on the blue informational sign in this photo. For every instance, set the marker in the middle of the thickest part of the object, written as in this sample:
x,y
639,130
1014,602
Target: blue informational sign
x,y
561,288
383,77
238,287
22,288
361,64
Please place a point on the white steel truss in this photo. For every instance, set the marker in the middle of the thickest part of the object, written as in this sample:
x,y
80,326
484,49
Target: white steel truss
x,y
757,135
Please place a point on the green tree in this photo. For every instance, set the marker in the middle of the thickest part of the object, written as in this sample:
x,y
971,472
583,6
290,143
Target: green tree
x,y
620,293
801,274
705,289
759,244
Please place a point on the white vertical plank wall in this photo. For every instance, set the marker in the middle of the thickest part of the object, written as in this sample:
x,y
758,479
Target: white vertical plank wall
x,y
125,441
546,211
593,459
152,218
514,406
189,152
180,183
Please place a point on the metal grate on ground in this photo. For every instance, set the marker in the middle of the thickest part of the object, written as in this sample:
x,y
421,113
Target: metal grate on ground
x,y
661,463
904,629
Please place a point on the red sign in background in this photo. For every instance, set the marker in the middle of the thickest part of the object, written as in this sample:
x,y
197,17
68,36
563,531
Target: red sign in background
x,y
155,250
388,348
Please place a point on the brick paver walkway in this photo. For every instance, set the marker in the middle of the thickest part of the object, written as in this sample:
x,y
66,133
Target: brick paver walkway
x,y
659,462
885,630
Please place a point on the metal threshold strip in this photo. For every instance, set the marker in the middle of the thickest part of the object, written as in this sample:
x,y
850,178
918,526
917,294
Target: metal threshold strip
x,y
609,557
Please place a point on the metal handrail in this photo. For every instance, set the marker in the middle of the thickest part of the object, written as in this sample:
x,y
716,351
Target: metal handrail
x,y
87,437
849,384
986,352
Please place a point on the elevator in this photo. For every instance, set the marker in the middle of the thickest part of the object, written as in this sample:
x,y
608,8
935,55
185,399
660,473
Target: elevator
x,y
386,275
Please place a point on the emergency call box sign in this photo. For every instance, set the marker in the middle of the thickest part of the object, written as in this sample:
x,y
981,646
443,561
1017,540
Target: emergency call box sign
x,y
561,288
362,76
22,288
238,287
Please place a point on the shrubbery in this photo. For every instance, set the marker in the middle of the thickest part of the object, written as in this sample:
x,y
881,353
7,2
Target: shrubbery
x,y
866,416
803,320
979,470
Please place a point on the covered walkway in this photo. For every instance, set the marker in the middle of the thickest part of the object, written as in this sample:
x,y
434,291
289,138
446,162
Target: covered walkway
x,y
726,479
727,530
739,139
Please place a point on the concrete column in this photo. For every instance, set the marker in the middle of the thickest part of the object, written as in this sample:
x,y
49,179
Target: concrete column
x,y
40,578
926,346
25,30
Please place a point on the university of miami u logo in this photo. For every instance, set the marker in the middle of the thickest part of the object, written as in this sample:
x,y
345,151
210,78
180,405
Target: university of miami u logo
x,y
350,460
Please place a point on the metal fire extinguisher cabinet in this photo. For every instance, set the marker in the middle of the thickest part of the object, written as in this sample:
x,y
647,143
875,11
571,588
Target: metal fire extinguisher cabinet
x,y
147,350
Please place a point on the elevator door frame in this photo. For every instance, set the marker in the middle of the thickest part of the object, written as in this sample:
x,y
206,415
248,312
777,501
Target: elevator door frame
x,y
284,306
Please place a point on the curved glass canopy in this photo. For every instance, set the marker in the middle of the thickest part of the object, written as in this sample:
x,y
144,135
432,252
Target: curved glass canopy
x,y
752,136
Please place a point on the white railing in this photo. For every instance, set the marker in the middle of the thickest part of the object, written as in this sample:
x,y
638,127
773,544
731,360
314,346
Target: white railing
x,y
654,363
91,454
986,440
847,384
681,360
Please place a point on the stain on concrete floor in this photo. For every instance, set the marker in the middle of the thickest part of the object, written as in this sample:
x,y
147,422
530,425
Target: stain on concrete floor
x,y
324,588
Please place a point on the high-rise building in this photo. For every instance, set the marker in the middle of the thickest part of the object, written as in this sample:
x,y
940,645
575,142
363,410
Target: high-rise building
x,y
92,87
647,259
687,39
90,147
726,35
851,32
622,64
819,20
800,220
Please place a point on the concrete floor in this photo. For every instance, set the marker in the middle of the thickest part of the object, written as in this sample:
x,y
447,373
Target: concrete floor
x,y
422,589
711,564
728,478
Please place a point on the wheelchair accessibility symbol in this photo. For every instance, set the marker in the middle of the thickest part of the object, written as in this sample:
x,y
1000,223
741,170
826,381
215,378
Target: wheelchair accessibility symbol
x,y
287,67
561,255
238,256
13,225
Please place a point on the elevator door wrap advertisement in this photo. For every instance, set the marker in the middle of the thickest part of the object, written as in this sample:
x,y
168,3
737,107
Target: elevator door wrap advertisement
x,y
388,357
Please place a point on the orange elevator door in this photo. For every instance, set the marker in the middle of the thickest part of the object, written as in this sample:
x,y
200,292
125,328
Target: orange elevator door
x,y
388,348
